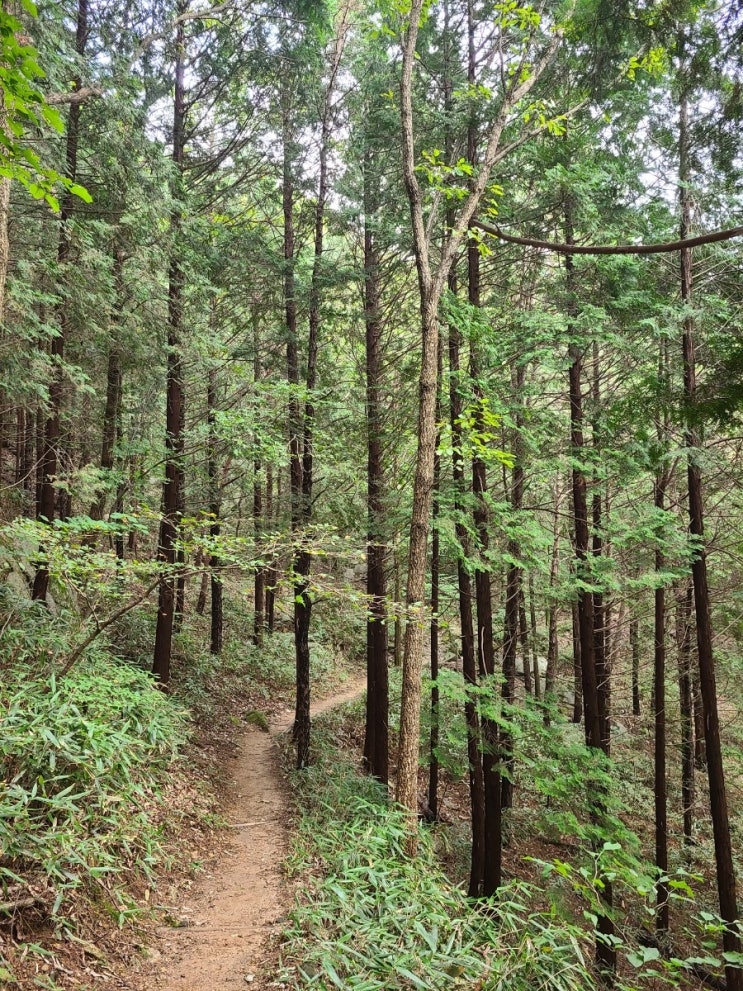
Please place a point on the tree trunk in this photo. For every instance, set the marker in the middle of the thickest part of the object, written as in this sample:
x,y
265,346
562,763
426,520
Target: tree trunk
x,y
476,759
524,639
303,560
272,572
212,471
634,643
552,644
659,695
534,651
376,743
684,605
577,666
259,586
431,285
605,952
49,449
433,769
112,412
513,624
726,881
172,498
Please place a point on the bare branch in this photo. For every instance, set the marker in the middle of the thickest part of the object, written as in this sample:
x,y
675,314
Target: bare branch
x,y
74,98
611,249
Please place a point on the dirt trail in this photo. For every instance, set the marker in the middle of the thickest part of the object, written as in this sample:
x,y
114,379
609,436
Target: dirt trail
x,y
234,910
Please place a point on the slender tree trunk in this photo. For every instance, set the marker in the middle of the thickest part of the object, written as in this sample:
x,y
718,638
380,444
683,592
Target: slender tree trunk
x,y
50,434
203,583
493,781
726,881
303,560
272,572
605,952
552,612
376,744
259,579
112,412
477,760
534,652
433,770
634,643
684,605
659,694
524,638
212,471
397,646
296,431
513,611
431,284
172,499
600,608
700,745
577,666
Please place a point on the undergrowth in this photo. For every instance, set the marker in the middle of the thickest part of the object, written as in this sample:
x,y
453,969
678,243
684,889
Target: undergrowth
x,y
371,918
83,763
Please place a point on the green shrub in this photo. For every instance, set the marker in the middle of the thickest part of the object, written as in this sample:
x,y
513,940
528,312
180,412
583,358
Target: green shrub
x,y
371,918
82,762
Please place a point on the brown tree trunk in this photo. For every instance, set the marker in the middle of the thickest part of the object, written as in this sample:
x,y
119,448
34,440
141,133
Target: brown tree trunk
x,y
577,714
605,952
477,761
659,695
726,881
49,449
303,559
112,412
272,572
431,284
203,584
172,498
513,624
433,769
524,638
212,470
600,609
552,644
634,643
376,743
684,605
259,586
534,651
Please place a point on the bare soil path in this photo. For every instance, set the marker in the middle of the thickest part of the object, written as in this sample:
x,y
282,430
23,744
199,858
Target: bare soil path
x,y
235,910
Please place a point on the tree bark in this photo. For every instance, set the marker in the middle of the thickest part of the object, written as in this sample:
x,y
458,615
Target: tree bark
x,y
112,412
49,450
605,952
476,759
212,471
259,578
172,498
431,285
659,696
726,881
684,605
376,743
634,643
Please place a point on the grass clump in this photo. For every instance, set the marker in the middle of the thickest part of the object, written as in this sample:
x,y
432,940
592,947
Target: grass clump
x,y
83,762
370,918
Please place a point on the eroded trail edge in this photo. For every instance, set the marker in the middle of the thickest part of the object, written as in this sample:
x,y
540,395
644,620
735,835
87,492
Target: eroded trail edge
x,y
237,907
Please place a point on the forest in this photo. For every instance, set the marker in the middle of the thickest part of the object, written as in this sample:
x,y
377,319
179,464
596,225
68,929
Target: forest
x,y
371,529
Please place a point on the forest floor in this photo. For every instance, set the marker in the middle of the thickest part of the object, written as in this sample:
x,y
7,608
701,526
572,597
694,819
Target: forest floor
x,y
225,933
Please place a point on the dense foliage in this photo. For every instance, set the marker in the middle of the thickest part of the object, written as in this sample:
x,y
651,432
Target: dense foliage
x,y
334,321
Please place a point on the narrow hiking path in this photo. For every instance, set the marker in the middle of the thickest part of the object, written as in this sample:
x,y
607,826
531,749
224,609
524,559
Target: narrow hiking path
x,y
233,912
